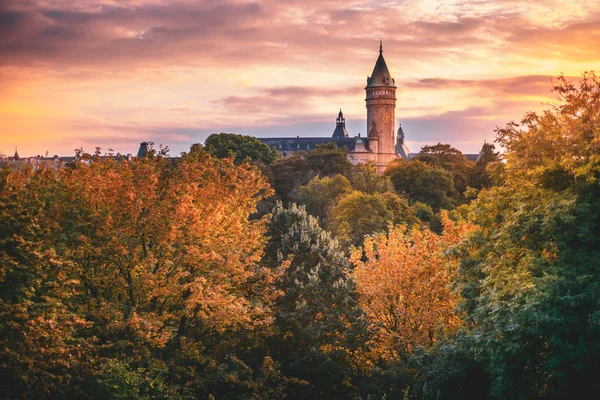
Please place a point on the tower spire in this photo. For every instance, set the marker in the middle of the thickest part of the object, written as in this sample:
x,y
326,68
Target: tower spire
x,y
340,126
380,46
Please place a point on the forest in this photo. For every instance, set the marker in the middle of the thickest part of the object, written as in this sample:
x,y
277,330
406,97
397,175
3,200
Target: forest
x,y
233,273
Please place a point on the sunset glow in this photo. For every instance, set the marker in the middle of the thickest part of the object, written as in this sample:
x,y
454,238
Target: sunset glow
x,y
114,73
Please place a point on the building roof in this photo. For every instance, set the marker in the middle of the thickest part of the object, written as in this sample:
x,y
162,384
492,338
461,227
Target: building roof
x,y
308,143
381,75
401,148
143,149
340,127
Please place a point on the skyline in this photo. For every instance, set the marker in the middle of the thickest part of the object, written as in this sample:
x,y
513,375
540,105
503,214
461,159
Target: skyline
x,y
116,73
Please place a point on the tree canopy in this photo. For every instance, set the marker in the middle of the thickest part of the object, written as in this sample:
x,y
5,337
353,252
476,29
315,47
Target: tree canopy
x,y
240,147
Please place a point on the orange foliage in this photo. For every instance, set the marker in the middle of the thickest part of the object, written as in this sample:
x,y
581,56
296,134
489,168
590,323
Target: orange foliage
x,y
129,256
404,288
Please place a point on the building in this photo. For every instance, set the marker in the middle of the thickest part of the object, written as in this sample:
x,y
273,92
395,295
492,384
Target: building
x,y
382,144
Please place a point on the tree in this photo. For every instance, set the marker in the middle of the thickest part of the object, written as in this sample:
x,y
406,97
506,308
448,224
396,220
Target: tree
x,y
423,183
403,280
327,160
530,282
289,174
366,179
479,177
360,214
321,194
113,258
240,147
320,326
449,159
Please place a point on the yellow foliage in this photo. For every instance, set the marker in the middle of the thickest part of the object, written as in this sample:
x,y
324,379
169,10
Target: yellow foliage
x,y
404,288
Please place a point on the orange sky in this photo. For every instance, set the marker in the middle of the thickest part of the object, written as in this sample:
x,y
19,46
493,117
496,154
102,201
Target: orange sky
x,y
76,73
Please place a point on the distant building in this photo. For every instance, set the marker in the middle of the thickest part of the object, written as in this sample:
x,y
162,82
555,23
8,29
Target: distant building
x,y
382,144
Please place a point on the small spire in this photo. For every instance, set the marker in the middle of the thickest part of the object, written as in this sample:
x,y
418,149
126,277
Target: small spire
x,y
380,46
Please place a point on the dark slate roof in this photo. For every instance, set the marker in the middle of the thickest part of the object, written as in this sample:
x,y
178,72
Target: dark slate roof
x,y
340,132
143,149
308,143
340,127
381,75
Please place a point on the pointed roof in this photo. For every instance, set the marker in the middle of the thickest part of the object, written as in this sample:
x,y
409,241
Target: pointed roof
x,y
381,74
401,148
143,149
16,156
340,127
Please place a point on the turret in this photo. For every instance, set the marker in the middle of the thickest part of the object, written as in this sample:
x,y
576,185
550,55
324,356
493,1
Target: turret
x,y
381,105
340,127
143,149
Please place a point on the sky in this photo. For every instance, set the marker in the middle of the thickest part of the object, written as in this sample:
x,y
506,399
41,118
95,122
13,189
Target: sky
x,y
114,73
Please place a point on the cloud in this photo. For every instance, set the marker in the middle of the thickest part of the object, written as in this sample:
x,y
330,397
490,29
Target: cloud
x,y
530,85
288,99
130,70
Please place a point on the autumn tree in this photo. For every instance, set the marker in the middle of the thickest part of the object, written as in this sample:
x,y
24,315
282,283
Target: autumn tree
x,y
113,258
403,280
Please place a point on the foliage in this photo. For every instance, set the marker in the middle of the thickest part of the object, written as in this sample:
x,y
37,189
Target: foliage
x,y
423,211
321,194
423,183
530,282
321,329
366,179
240,147
289,174
360,214
327,160
449,159
115,257
403,281
479,176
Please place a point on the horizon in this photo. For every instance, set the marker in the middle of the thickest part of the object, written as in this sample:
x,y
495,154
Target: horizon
x,y
114,74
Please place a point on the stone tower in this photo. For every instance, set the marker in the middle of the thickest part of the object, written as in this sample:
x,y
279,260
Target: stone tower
x,y
381,105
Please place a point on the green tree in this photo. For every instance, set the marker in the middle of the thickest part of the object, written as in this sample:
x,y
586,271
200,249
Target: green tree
x,y
449,159
321,329
289,174
360,214
321,194
328,160
366,179
240,147
423,183
531,279
479,176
